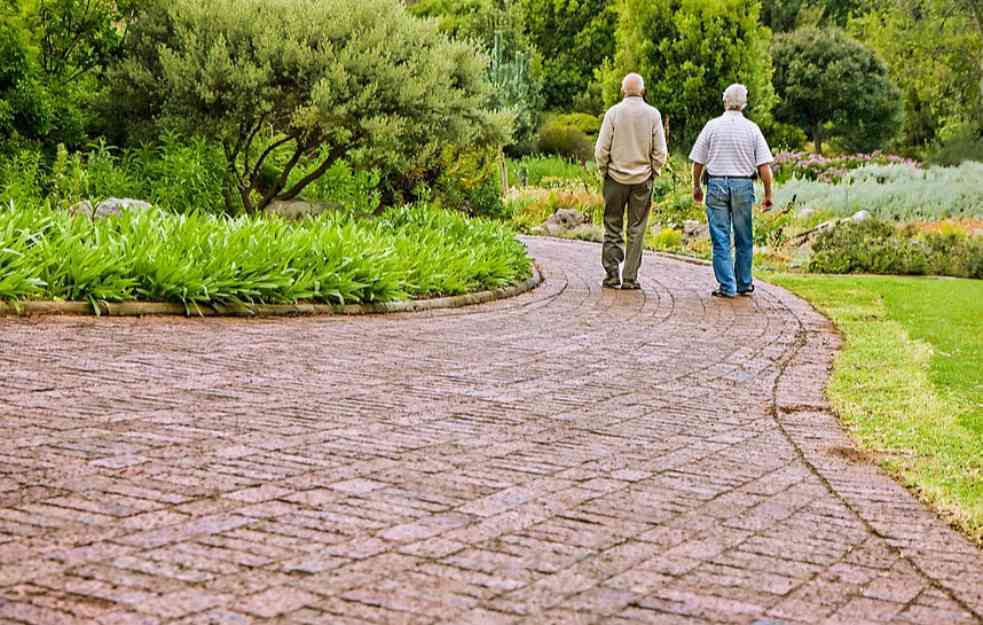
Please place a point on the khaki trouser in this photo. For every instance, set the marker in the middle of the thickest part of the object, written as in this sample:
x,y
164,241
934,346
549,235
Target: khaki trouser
x,y
637,199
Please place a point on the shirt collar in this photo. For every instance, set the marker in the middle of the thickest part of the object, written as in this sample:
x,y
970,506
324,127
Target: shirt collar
x,y
734,113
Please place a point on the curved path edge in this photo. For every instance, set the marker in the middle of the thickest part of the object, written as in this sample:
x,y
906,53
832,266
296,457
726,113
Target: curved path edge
x,y
916,533
941,554
146,309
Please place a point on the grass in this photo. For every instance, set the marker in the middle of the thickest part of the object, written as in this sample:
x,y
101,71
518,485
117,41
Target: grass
x,y
198,259
909,382
551,171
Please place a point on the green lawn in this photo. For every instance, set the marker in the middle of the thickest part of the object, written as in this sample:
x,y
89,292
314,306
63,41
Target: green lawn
x,y
909,382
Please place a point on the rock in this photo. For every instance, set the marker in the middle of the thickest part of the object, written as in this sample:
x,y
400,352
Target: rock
x,y
118,206
567,218
693,229
298,209
860,216
84,207
805,212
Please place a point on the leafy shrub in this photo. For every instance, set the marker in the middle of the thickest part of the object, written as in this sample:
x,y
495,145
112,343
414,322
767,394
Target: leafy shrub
x,y
21,177
875,246
566,141
771,228
364,79
957,151
894,192
181,175
469,182
677,209
198,259
355,191
668,240
588,124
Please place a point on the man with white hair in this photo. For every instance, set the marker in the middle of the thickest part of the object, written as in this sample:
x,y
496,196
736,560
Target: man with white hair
x,y
731,150
631,150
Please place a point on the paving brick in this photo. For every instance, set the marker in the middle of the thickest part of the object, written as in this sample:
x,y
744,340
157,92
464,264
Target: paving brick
x,y
498,465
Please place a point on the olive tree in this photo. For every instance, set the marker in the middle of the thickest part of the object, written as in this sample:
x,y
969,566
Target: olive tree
x,y
832,86
303,84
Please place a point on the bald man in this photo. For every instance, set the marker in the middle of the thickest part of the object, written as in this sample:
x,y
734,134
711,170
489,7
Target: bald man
x,y
630,152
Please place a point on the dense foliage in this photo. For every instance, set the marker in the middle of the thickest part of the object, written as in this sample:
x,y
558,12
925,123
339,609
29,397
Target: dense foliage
x,y
690,51
200,260
53,54
933,49
835,88
574,38
360,80
874,246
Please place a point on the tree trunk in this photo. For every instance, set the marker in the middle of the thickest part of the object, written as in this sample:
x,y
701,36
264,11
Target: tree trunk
x,y
817,138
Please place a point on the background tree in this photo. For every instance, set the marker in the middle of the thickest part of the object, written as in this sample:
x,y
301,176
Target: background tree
x,y
309,82
574,38
514,70
54,53
689,51
835,88
787,15
933,52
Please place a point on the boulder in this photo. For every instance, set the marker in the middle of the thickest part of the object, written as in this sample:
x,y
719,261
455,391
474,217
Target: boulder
x,y
118,206
860,216
84,207
567,219
693,229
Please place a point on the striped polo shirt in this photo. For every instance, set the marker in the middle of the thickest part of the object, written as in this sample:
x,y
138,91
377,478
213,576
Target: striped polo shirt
x,y
731,145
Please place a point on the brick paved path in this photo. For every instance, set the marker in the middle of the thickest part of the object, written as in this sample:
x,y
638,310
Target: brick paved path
x,y
570,456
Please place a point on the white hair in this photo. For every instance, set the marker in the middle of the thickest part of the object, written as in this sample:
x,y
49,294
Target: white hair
x,y
735,98
633,85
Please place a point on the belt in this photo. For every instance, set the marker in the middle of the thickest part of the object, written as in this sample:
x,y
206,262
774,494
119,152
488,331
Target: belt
x,y
712,177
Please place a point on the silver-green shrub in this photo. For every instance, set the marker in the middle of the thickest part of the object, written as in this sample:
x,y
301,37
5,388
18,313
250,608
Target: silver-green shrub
x,y
894,192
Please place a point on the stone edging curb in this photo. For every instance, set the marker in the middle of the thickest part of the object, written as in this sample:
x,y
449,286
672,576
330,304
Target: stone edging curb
x,y
692,260
143,309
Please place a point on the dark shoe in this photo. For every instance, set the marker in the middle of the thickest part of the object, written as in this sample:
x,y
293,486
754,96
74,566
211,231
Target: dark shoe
x,y
719,293
747,292
630,285
611,284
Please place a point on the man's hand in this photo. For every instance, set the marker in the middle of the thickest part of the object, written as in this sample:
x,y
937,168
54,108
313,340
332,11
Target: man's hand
x,y
768,180
698,182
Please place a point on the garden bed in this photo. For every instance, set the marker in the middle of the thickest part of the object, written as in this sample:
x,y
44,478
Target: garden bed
x,y
209,262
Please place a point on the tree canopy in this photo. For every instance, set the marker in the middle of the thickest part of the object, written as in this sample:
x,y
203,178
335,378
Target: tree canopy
x,y
313,80
834,87
689,51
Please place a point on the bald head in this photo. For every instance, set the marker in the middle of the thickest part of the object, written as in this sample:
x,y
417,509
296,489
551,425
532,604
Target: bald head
x,y
633,85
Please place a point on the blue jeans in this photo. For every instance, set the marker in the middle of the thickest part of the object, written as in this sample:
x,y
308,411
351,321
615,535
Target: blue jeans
x,y
730,203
